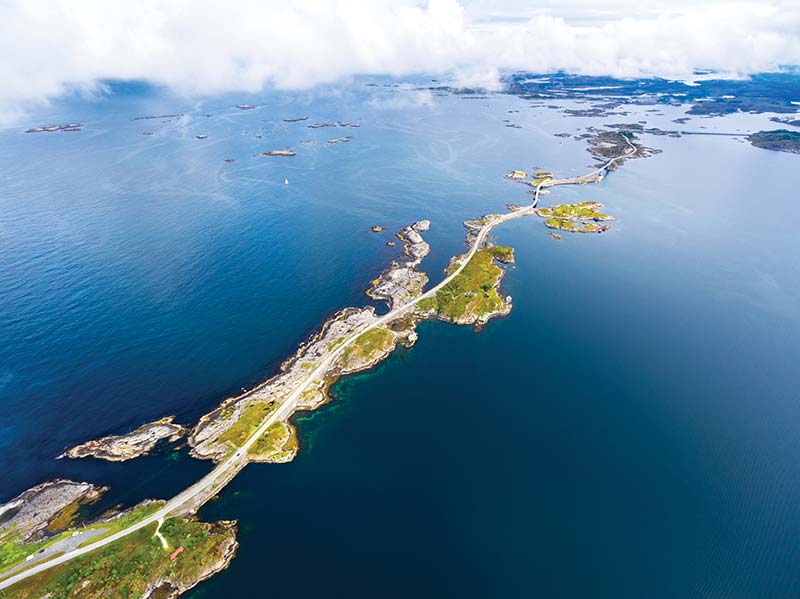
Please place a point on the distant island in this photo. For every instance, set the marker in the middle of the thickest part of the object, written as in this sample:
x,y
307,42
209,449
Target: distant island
x,y
780,140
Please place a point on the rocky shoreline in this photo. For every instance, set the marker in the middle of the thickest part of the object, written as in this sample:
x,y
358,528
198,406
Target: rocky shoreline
x,y
45,509
171,585
583,217
222,430
119,448
473,297
403,281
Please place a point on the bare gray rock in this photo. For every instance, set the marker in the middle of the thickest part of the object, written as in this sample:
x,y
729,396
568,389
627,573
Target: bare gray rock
x,y
119,448
30,513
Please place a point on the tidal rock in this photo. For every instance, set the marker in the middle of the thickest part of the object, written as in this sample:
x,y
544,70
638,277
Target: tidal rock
x,y
118,448
32,512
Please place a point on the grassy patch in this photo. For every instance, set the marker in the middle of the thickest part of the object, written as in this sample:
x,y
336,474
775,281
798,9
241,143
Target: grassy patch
x,y
426,305
367,345
472,292
334,344
13,551
502,253
128,566
247,423
582,210
124,521
575,218
278,440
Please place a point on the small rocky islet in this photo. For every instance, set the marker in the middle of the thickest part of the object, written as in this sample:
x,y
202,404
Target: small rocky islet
x,y
583,217
119,448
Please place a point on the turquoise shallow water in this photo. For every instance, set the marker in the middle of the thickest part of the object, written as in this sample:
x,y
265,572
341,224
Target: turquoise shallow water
x,y
629,429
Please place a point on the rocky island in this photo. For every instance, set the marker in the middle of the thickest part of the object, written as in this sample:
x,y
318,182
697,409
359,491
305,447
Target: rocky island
x,y
54,128
157,116
472,297
119,448
582,217
781,140
615,143
402,281
338,140
276,153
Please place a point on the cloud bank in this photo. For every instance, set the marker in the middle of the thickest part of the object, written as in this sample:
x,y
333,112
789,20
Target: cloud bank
x,y
52,47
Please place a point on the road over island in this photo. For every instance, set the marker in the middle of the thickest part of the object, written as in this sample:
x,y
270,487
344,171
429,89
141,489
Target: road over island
x,y
194,496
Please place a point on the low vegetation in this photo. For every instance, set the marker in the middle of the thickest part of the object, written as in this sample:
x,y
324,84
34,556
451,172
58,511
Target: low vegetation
x,y
609,144
502,253
368,345
133,565
13,551
249,420
781,140
278,444
472,294
581,210
582,217
564,224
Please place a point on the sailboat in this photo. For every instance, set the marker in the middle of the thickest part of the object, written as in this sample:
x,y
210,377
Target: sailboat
x,y
286,181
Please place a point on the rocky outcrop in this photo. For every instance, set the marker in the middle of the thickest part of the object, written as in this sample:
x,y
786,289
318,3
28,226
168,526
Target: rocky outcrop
x,y
118,448
212,437
472,297
175,582
37,511
276,153
225,428
402,281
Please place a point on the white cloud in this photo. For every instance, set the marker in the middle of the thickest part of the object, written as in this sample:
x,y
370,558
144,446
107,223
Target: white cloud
x,y
50,47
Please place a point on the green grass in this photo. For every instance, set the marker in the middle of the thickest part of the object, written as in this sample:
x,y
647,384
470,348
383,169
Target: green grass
x,y
582,210
13,551
575,218
334,344
247,423
366,345
274,442
425,305
125,568
562,224
502,253
472,291
124,521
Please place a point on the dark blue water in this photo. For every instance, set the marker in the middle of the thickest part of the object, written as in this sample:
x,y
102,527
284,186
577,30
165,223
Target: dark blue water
x,y
631,429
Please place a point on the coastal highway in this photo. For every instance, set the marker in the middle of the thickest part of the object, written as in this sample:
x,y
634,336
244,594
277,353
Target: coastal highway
x,y
194,496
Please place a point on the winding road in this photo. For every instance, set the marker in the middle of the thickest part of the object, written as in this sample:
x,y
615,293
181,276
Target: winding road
x,y
192,497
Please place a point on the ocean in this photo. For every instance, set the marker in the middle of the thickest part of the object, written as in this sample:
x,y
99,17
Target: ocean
x,y
630,429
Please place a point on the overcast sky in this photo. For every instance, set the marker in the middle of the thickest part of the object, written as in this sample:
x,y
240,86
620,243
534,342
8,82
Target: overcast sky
x,y
51,47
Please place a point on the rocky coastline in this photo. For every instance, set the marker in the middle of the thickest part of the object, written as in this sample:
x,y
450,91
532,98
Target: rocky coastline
x,y
473,296
45,509
403,281
119,448
276,153
221,431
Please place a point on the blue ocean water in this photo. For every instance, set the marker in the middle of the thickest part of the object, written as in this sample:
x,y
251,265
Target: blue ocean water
x,y
630,429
